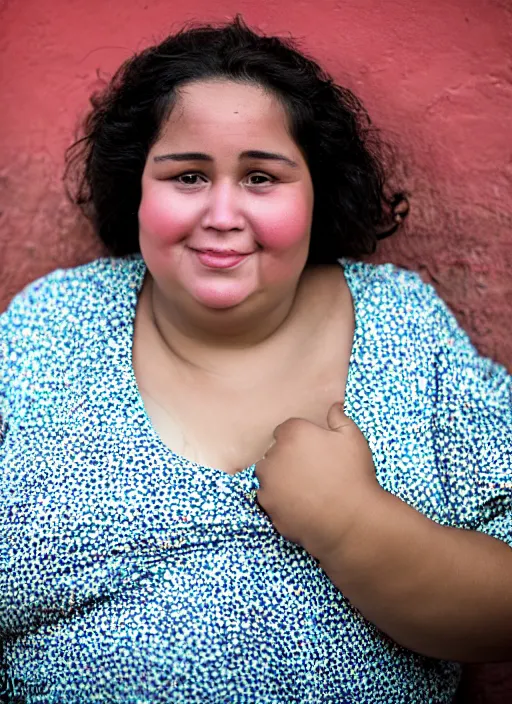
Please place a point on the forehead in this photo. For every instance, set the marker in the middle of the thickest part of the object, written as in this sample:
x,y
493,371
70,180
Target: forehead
x,y
224,108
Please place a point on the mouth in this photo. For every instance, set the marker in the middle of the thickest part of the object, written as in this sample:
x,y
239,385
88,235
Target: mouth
x,y
220,259
232,252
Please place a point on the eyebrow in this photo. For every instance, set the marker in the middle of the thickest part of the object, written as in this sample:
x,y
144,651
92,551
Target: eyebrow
x,y
250,154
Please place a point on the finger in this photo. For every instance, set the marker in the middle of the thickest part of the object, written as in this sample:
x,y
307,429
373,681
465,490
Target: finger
x,y
288,426
336,418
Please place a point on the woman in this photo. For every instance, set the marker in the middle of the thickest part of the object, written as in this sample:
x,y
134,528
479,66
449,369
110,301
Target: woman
x,y
239,465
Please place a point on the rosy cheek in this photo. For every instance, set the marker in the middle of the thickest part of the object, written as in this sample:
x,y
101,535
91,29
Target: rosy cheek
x,y
282,229
159,220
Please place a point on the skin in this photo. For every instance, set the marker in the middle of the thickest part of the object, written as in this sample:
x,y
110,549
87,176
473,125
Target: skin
x,y
250,205
414,579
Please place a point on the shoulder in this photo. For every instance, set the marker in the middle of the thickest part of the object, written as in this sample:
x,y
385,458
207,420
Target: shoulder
x,y
402,307
388,282
65,309
398,300
57,298
65,288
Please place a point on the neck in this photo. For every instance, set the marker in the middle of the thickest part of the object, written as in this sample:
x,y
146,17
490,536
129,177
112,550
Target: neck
x,y
208,339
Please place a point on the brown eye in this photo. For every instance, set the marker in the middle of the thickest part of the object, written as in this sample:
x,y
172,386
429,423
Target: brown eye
x,y
187,175
259,174
189,178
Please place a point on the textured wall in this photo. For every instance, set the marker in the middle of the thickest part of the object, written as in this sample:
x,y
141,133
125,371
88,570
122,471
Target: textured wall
x,y
436,75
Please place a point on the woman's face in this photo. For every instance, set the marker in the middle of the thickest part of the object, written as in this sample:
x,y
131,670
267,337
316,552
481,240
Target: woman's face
x,y
222,220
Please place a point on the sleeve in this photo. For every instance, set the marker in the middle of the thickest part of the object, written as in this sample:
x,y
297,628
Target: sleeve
x,y
5,379
472,432
6,370
21,331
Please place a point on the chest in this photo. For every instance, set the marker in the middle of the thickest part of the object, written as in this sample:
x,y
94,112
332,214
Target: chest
x,y
228,429
227,421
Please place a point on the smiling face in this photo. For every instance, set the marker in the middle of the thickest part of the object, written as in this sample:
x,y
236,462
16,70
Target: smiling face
x,y
219,222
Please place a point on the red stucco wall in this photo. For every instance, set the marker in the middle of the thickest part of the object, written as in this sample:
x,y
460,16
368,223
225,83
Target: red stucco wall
x,y
435,74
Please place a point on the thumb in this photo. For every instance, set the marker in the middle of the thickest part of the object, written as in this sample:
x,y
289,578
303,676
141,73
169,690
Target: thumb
x,y
336,418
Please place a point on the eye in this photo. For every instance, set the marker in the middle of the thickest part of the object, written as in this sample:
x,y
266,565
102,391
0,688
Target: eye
x,y
259,174
188,179
187,175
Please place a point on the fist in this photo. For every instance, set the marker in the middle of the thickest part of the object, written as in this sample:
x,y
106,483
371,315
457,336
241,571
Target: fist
x,y
316,482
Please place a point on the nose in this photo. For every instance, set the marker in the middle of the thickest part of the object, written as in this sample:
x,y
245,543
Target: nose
x,y
223,210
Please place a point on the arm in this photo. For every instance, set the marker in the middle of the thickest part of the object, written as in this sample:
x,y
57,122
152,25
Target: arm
x,y
444,592
441,588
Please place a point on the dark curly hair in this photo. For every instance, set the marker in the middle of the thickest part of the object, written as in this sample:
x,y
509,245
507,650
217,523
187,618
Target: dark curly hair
x,y
328,123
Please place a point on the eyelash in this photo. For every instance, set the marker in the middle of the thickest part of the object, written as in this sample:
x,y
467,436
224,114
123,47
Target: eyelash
x,y
197,173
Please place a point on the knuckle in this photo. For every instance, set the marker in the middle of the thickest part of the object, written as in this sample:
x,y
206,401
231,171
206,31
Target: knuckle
x,y
289,428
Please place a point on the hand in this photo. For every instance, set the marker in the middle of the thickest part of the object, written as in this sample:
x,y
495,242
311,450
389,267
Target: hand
x,y
315,482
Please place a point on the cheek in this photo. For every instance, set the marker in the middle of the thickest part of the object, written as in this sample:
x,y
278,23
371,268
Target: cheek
x,y
160,221
285,227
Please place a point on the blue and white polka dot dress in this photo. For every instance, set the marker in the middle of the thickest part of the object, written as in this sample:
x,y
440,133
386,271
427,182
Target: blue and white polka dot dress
x,y
131,575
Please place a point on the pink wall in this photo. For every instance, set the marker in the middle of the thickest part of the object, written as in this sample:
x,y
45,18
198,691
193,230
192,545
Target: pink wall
x,y
435,74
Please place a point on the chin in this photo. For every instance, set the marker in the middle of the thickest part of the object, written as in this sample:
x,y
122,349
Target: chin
x,y
219,300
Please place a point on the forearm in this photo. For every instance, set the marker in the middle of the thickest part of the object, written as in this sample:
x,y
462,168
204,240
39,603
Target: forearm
x,y
443,592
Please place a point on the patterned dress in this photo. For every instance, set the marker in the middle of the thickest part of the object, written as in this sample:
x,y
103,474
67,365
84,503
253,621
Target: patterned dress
x,y
132,575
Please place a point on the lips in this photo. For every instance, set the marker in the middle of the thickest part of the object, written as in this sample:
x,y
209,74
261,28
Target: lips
x,y
215,259
231,252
